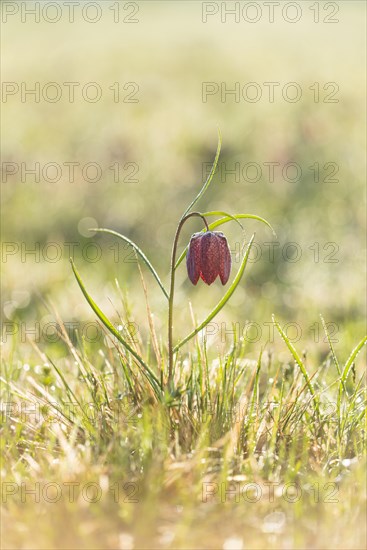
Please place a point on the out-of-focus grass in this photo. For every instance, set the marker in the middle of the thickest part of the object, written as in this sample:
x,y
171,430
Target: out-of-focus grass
x,y
169,134
249,456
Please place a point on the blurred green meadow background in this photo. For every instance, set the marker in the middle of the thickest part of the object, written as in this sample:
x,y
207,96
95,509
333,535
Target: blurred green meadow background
x,y
169,136
151,83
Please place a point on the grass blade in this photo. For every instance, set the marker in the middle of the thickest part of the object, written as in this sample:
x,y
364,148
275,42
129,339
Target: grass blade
x,y
298,360
149,374
221,213
209,178
353,355
139,251
240,217
222,302
335,359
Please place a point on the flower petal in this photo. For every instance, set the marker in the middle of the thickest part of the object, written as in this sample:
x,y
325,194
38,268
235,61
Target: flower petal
x,y
225,261
210,260
193,258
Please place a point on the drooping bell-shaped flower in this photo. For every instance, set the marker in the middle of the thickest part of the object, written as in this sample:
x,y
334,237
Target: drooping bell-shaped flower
x,y
207,257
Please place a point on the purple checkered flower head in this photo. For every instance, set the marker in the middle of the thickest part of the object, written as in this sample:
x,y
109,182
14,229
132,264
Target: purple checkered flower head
x,y
207,257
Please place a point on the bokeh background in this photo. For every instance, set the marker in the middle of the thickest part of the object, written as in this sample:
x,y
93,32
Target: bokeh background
x,y
162,143
150,61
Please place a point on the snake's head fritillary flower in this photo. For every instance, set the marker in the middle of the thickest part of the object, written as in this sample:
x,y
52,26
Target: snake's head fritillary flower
x,y
207,257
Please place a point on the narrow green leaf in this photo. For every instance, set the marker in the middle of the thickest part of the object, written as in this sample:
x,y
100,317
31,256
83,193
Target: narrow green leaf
x,y
240,217
221,213
351,358
67,387
333,354
139,251
149,374
222,221
335,359
209,178
223,301
297,359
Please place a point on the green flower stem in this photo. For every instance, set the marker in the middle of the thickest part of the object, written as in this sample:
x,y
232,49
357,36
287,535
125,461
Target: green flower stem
x,y
172,291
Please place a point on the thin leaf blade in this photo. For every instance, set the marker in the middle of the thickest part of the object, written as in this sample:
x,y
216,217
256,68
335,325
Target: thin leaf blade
x,y
209,178
351,358
139,251
222,213
149,374
297,358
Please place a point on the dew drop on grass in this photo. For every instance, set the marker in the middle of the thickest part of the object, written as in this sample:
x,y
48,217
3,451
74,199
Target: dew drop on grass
x,y
349,461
